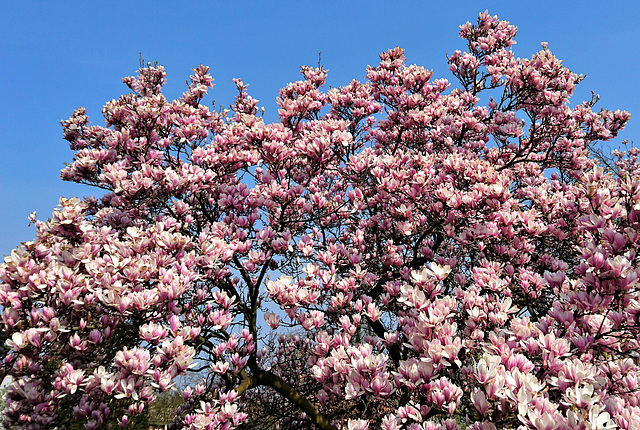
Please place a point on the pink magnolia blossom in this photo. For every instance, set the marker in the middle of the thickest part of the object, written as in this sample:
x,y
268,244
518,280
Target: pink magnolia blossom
x,y
425,254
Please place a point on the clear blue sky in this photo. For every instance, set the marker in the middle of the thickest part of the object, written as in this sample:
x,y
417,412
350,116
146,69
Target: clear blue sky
x,y
58,55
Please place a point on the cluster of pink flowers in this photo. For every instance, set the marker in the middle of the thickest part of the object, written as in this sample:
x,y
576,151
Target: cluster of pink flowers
x,y
444,259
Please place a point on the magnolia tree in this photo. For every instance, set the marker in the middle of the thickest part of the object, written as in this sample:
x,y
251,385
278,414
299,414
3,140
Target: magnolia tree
x,y
393,254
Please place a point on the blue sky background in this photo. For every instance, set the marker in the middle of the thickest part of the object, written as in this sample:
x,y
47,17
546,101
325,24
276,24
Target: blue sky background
x,y
58,55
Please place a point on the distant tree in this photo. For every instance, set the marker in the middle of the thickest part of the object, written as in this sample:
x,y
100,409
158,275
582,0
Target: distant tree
x,y
3,405
423,257
163,410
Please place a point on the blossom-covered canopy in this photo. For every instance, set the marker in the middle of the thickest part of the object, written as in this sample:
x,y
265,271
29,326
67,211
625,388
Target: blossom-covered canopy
x,y
390,254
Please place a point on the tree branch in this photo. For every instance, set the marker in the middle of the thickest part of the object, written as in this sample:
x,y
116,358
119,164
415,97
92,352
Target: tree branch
x,y
269,379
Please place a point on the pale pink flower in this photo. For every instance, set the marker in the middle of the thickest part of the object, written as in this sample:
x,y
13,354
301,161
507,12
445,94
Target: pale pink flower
x,y
272,319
